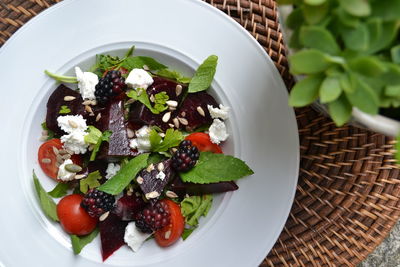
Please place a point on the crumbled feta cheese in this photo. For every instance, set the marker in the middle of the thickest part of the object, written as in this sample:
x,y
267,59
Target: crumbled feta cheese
x,y
134,237
64,174
142,140
139,78
75,142
71,123
218,132
219,113
112,170
86,83
161,176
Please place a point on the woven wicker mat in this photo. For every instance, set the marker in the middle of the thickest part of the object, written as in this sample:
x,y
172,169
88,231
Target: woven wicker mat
x,y
348,194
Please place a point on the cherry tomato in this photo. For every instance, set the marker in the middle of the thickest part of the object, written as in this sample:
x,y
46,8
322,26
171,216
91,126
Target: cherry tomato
x,y
73,218
46,152
172,232
203,142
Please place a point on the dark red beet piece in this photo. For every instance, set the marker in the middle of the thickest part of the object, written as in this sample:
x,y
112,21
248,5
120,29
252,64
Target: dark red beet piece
x,y
112,231
112,118
128,206
151,183
189,107
181,188
56,100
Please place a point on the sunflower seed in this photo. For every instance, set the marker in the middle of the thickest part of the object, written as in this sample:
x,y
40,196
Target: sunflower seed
x,y
139,180
46,160
172,103
69,98
183,114
162,135
178,89
200,110
176,122
55,150
80,176
171,108
171,194
152,99
43,138
104,216
171,125
59,158
66,156
160,167
63,152
72,124
183,121
130,101
130,133
152,194
98,117
167,234
150,167
145,67
87,102
166,117
73,168
89,109
174,149
129,193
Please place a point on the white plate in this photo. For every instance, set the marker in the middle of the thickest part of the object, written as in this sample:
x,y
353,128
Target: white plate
x,y
242,226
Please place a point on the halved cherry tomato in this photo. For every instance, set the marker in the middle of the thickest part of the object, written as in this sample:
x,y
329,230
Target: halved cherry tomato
x,y
73,218
46,153
172,232
203,143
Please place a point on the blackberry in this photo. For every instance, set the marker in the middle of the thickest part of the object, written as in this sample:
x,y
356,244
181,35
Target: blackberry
x,y
153,218
112,84
96,202
185,157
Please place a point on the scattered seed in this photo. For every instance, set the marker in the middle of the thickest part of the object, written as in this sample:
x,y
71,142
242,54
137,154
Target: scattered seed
x,y
87,102
98,117
140,180
130,133
166,117
187,195
72,124
104,216
59,158
171,108
150,167
91,147
176,122
62,152
167,234
172,103
89,109
55,150
66,156
145,67
162,135
129,193
152,194
69,98
46,160
130,101
178,89
152,99
160,167
171,194
183,121
43,138
200,110
171,125
73,168
80,176
174,149
183,114
94,102
45,132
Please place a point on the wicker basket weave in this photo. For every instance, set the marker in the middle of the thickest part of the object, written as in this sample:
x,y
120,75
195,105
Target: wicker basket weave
x,y
348,193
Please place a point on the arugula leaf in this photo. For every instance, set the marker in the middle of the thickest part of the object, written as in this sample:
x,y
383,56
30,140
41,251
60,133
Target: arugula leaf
x,y
213,168
46,202
141,95
194,207
79,242
61,78
125,175
172,139
96,138
64,110
50,133
60,190
204,75
138,62
92,181
173,74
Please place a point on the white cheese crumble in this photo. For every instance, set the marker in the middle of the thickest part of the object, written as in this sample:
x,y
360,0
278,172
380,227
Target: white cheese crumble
x,y
218,132
75,126
161,176
71,123
142,140
134,237
219,113
112,170
139,78
64,174
86,83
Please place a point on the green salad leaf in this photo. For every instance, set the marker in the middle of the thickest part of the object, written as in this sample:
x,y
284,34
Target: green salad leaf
x,y
96,137
172,139
187,232
47,204
204,75
79,242
194,207
173,74
139,62
141,95
64,110
91,181
60,190
61,78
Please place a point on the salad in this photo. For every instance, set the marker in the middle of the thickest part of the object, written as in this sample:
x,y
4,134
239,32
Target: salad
x,y
136,152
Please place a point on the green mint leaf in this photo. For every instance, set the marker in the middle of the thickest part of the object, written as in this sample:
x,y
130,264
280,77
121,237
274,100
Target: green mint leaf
x,y
79,242
204,75
194,207
61,78
141,96
125,175
213,168
340,110
173,74
309,62
64,110
92,181
60,190
138,62
358,8
330,89
47,204
105,137
50,133
319,38
356,39
187,232
172,139
305,91
93,135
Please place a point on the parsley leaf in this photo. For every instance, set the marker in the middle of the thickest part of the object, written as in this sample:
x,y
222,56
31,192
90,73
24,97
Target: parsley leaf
x,y
173,74
90,182
194,207
79,242
213,168
64,110
141,96
160,100
60,190
125,175
96,138
50,133
204,75
172,139
46,202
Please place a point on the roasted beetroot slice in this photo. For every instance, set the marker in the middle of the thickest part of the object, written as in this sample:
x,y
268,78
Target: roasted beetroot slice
x,y
190,107
56,100
128,206
150,184
112,118
181,188
112,231
161,84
